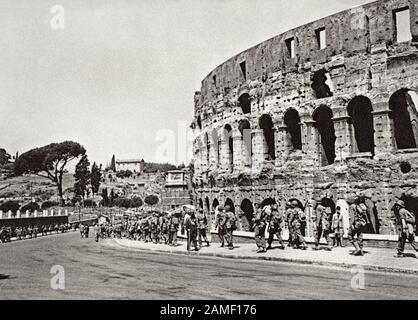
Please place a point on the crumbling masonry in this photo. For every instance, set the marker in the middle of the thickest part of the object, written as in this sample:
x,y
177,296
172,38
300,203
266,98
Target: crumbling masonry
x,y
328,110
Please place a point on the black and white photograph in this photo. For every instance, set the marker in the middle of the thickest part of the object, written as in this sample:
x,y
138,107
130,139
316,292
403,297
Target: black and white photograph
x,y
201,152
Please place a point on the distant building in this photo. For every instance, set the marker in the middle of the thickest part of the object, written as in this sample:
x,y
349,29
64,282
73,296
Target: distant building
x,y
132,165
177,190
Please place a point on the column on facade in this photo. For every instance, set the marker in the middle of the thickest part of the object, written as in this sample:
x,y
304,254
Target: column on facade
x,y
281,145
258,149
311,142
225,165
238,151
344,133
197,159
212,153
204,155
384,138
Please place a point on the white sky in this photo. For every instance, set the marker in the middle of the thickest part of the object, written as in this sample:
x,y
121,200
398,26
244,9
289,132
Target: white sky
x,y
121,70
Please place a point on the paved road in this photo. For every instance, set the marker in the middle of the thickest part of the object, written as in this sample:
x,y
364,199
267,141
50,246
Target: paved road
x,y
103,270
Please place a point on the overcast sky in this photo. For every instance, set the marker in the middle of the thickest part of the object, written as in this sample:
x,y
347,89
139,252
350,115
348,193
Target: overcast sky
x,y
121,70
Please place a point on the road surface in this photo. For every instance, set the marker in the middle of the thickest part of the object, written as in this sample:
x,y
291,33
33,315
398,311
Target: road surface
x,y
105,271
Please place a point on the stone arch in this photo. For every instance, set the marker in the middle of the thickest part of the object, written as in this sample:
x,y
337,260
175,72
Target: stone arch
x,y
322,84
292,122
248,214
200,203
404,114
266,124
360,111
229,202
245,103
244,128
325,125
230,145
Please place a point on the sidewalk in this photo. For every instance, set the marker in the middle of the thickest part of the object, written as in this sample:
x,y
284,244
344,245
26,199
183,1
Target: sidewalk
x,y
376,259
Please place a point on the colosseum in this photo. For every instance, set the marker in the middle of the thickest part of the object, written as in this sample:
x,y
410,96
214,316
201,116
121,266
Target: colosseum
x,y
326,110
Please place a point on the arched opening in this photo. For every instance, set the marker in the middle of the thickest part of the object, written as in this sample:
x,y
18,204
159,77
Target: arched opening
x,y
373,227
360,111
245,103
230,143
267,202
266,124
404,114
246,138
199,122
200,204
322,84
207,142
207,203
247,218
230,203
292,121
325,126
215,204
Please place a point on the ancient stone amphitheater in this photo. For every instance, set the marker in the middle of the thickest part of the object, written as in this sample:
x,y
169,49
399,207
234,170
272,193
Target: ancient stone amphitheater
x,y
325,110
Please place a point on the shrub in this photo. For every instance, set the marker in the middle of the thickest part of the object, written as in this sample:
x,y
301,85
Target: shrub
x,y
13,206
151,200
31,207
49,204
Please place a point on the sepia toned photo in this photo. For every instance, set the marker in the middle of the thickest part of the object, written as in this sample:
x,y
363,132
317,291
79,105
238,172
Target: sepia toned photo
x,y
208,150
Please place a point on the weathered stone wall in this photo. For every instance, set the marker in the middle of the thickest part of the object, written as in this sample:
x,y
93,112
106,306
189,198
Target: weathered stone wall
x,y
362,59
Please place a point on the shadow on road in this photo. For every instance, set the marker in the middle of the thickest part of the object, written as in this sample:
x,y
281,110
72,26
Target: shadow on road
x,y
4,277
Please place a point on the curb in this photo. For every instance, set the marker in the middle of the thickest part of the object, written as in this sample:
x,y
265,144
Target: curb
x,y
277,259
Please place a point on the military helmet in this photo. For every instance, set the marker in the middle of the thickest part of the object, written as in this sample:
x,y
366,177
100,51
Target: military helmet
x,y
400,203
295,203
220,208
351,200
227,208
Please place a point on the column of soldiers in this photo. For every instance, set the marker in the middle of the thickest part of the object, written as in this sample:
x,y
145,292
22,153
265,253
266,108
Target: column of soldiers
x,y
327,224
29,232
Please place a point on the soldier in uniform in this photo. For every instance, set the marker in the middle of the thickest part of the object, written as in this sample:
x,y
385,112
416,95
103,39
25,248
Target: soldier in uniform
x,y
191,226
97,231
174,224
146,229
82,230
164,227
322,224
288,217
296,221
230,226
260,222
86,231
358,218
276,225
51,228
338,228
35,231
19,233
30,232
405,221
202,225
220,224
155,228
